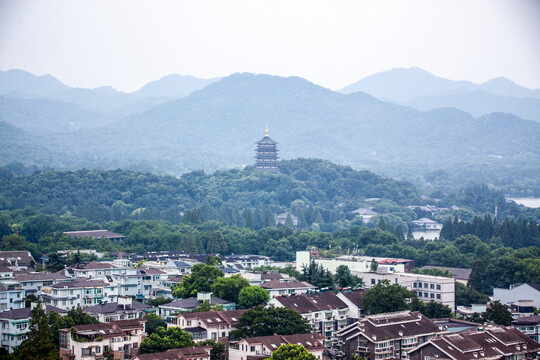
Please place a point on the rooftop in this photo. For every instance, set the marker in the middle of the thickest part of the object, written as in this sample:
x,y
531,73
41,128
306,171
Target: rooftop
x,y
94,234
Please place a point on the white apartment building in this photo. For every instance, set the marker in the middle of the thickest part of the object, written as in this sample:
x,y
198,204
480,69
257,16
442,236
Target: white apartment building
x,y
35,282
11,295
208,325
142,283
121,339
79,292
286,287
14,325
124,309
426,287
354,263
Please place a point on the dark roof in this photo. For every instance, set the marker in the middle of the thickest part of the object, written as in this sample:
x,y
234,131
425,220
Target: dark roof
x,y
356,297
266,141
276,284
491,343
150,271
192,303
535,286
199,352
94,234
215,318
390,326
96,265
22,258
111,308
43,275
527,320
306,303
311,341
271,275
458,273
26,313
80,283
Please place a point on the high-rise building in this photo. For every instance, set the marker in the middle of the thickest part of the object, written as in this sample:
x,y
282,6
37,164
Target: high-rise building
x,y
266,159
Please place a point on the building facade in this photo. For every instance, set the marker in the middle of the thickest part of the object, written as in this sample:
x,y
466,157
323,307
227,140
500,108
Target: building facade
x,y
266,158
263,347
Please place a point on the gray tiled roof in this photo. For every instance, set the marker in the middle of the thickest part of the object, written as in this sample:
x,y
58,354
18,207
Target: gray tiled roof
x,y
26,313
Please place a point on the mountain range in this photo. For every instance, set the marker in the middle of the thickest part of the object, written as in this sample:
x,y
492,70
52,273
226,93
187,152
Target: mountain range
x,y
217,124
424,91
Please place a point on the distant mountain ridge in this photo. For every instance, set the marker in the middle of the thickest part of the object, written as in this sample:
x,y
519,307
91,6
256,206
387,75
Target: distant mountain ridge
x,y
424,91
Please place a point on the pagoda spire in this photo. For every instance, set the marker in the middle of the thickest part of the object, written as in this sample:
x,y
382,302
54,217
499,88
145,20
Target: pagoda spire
x,y
266,130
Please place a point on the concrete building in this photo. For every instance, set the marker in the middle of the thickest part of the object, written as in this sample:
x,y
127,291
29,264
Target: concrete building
x,y
208,325
79,292
529,325
170,310
354,301
385,336
426,287
493,342
326,312
121,339
460,274
427,224
11,296
14,324
33,283
263,347
354,263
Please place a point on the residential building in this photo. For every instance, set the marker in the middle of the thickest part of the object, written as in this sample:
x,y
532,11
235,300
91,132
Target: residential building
x,y
385,336
121,339
460,274
123,309
95,234
263,347
246,261
518,292
286,287
326,312
79,292
365,213
451,325
354,263
208,325
354,301
97,270
260,277
529,325
16,260
282,219
427,224
170,310
143,283
11,296
15,324
189,353
492,342
33,283
428,288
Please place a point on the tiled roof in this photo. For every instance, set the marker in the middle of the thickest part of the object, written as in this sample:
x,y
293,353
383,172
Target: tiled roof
x,y
311,341
306,303
200,352
80,283
192,303
276,284
527,320
215,318
43,275
94,234
458,273
23,258
111,308
151,271
95,265
26,313
356,297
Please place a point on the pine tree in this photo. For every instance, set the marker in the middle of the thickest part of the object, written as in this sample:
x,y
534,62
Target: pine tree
x,y
288,222
39,343
216,243
249,219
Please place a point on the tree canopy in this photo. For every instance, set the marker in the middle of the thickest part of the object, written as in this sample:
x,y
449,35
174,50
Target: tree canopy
x,y
164,339
292,352
251,296
202,278
385,297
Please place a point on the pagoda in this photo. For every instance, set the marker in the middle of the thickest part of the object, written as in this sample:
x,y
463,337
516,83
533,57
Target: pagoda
x,y
266,159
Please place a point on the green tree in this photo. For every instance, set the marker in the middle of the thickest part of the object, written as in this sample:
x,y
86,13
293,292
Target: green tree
x,y
216,243
164,339
385,297
56,262
206,306
344,278
465,296
251,296
160,300
74,316
229,288
153,322
39,343
498,313
435,310
292,352
260,321
213,260
201,279
374,265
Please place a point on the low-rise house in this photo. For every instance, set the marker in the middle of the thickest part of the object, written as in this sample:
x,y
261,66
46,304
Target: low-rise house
x,y
493,342
16,260
354,300
529,325
286,287
282,219
385,336
246,261
97,270
326,312
518,292
79,292
170,310
142,283
365,213
260,277
208,325
14,324
95,234
121,339
123,309
189,353
263,347
11,296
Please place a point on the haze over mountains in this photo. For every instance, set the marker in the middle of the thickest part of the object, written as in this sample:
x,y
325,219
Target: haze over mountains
x,y
424,91
214,127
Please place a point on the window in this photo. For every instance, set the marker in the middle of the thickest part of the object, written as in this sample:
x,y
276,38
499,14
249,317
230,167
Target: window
x,y
372,281
438,287
86,352
252,349
439,296
426,294
432,296
432,286
426,285
414,285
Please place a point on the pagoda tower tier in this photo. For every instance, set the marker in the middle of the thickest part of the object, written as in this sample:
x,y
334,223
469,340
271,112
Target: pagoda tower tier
x,y
266,158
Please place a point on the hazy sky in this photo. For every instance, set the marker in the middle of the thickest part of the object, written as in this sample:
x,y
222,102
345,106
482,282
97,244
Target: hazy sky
x,y
331,43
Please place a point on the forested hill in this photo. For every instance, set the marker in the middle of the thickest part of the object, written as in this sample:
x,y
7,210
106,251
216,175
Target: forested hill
x,y
98,195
